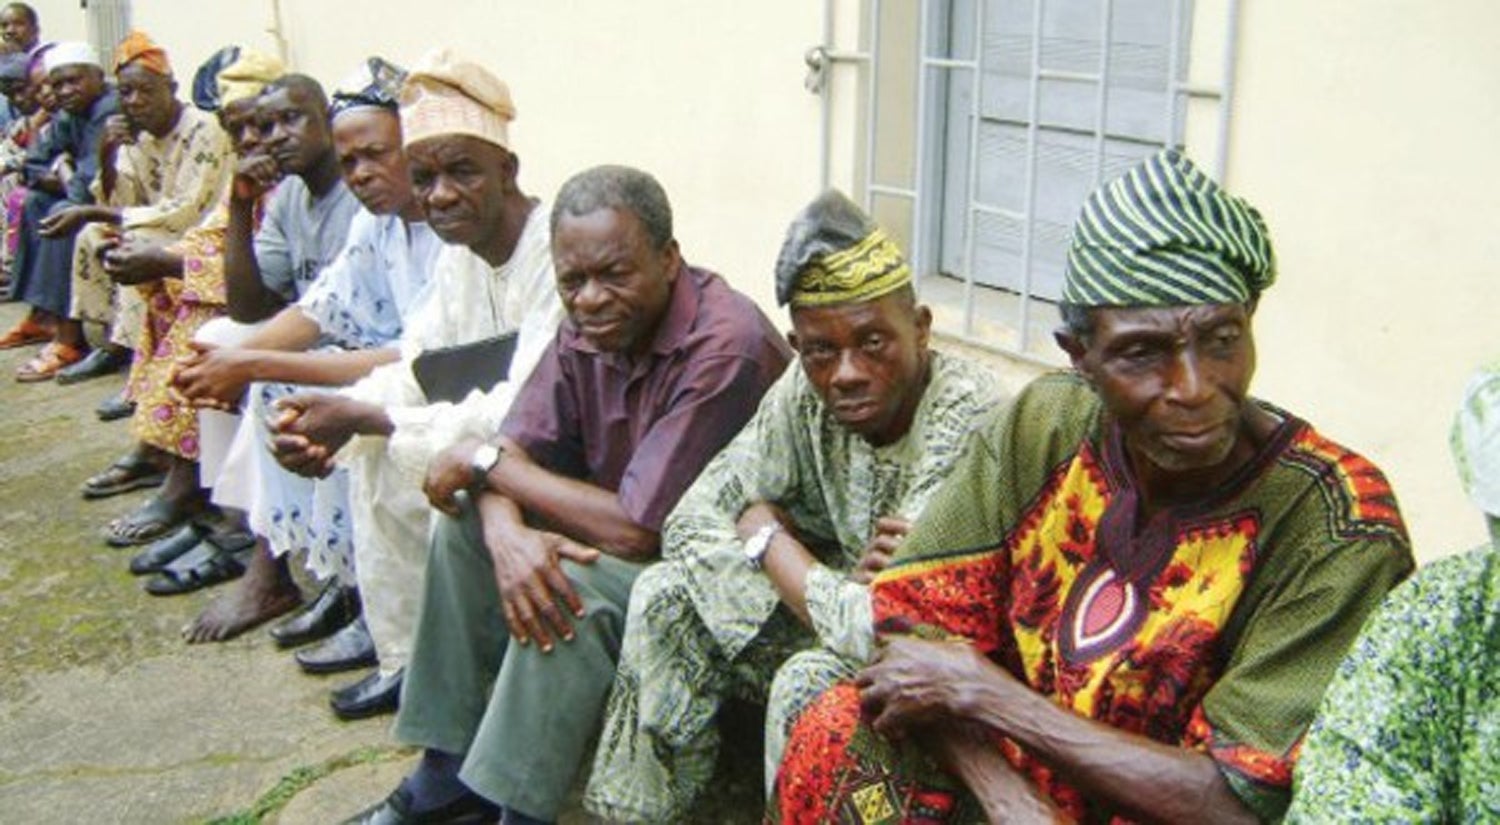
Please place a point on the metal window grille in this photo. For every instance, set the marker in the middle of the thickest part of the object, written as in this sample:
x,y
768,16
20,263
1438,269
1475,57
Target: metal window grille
x,y
107,22
986,123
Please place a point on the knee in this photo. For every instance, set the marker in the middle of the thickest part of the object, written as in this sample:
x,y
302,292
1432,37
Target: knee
x,y
222,332
801,680
453,536
660,590
90,236
35,204
782,683
791,691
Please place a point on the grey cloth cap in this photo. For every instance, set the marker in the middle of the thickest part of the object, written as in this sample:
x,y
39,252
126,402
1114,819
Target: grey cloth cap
x,y
829,224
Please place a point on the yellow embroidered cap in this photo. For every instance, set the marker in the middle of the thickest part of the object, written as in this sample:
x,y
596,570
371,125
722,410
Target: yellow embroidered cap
x,y
835,254
248,75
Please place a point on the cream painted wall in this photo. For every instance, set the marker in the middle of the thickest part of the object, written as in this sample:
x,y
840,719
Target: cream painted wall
x,y
1364,131
706,96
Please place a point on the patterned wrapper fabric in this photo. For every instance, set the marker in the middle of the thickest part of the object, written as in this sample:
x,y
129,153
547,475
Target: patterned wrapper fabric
x,y
1213,626
175,309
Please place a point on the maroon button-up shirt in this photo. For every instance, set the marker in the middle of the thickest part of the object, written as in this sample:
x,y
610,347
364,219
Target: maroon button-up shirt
x,y
645,426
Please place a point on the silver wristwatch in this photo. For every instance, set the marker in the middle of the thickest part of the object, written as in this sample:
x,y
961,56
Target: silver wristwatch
x,y
485,457
760,542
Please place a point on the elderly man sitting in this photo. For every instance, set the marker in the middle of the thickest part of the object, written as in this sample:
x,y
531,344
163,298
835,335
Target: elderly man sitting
x,y
182,286
355,309
1410,728
1129,595
494,279
162,167
306,221
658,365
760,556
59,175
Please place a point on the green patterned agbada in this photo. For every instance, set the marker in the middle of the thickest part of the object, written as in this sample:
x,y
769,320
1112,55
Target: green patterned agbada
x,y
1222,641
703,624
1410,728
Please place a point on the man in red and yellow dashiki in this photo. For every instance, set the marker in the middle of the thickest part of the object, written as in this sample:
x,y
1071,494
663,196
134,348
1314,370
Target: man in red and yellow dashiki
x,y
1129,596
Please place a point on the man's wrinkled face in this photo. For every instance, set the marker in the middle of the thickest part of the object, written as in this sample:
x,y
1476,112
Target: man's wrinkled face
x,y
614,282
293,129
368,144
241,121
16,28
867,361
1175,379
147,99
462,183
76,86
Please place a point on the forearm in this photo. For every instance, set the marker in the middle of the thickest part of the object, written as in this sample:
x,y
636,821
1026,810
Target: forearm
x,y
585,513
247,297
786,562
167,264
502,518
99,213
1143,778
108,175
325,369
368,419
1003,793
289,331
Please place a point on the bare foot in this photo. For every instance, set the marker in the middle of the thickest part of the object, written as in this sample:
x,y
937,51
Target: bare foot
x,y
266,591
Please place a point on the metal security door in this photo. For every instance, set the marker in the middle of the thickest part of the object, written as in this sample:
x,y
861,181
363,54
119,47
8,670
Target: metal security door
x,y
107,21
1069,93
1018,109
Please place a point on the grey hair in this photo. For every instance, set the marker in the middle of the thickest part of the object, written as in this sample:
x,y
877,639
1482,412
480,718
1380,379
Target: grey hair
x,y
1077,320
617,187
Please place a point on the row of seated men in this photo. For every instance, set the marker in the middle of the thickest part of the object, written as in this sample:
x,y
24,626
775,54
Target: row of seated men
x,y
585,496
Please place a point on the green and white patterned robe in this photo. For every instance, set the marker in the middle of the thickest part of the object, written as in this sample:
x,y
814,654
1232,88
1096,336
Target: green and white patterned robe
x,y
703,624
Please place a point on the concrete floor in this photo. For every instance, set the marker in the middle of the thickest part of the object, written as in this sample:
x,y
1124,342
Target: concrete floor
x,y
107,716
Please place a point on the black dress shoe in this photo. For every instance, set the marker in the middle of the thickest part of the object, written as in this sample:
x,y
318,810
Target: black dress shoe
x,y
371,696
97,364
349,649
469,809
162,553
334,608
115,407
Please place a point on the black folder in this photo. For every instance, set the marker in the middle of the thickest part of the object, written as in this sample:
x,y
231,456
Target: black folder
x,y
449,373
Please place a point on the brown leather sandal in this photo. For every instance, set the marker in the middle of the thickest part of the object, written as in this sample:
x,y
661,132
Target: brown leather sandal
x,y
45,365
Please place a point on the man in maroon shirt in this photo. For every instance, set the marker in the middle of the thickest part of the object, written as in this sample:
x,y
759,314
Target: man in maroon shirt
x,y
658,365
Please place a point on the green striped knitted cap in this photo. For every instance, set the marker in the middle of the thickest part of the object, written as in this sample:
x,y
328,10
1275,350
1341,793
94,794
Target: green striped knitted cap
x,y
1165,234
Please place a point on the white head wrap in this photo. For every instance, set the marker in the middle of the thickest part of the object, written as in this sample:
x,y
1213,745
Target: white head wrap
x,y
71,53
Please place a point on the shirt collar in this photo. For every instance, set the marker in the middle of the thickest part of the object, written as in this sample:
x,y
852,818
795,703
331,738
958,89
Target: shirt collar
x,y
682,313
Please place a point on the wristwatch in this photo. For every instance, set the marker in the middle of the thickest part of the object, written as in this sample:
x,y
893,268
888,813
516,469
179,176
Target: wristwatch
x,y
760,542
485,458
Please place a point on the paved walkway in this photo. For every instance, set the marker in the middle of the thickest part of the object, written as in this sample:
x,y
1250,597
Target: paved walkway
x,y
107,716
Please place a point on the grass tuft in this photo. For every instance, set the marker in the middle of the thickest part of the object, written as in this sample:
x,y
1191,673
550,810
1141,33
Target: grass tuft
x,y
303,778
